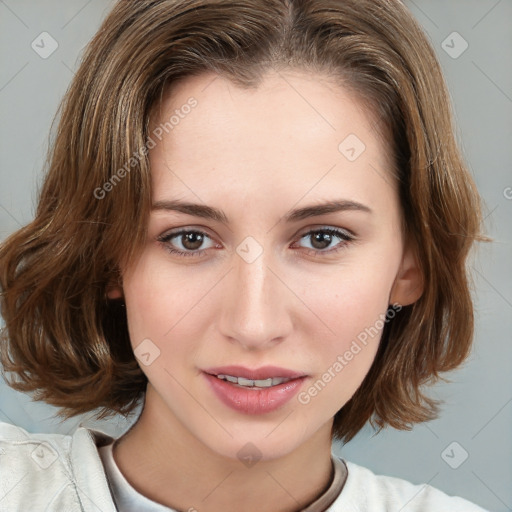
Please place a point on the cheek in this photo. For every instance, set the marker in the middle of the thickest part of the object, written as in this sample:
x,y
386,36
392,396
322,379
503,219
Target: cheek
x,y
157,298
345,338
355,322
343,359
146,293
352,297
166,316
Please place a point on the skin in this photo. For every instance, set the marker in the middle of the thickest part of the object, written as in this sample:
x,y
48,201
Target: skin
x,y
257,154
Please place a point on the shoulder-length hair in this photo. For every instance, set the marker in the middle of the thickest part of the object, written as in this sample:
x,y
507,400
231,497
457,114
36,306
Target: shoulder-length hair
x,y
67,342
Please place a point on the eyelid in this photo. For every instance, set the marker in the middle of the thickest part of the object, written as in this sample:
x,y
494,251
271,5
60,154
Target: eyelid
x,y
298,234
326,227
165,237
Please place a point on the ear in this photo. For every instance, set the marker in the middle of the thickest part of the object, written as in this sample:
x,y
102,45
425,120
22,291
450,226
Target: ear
x,y
409,282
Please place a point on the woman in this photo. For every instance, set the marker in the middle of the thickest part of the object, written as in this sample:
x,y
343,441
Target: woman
x,y
256,218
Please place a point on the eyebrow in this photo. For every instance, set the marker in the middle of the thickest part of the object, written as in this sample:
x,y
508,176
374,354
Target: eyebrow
x,y
208,212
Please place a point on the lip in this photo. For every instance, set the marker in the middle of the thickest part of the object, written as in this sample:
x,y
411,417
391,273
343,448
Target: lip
x,y
254,400
265,372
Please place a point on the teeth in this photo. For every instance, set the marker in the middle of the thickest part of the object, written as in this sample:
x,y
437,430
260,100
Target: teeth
x,y
253,383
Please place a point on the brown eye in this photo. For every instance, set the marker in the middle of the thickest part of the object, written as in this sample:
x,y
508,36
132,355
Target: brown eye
x,y
192,241
324,238
321,240
189,242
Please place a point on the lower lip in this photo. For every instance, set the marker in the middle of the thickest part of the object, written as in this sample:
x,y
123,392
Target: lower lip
x,y
254,400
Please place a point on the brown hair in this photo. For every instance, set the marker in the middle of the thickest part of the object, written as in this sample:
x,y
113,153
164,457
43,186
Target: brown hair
x,y
65,340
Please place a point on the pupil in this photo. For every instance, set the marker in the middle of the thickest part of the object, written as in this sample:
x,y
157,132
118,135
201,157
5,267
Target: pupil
x,y
192,240
323,238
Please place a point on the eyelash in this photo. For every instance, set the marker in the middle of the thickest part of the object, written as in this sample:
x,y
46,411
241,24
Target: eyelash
x,y
343,235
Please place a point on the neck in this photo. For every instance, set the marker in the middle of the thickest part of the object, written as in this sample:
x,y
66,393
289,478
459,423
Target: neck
x,y
164,462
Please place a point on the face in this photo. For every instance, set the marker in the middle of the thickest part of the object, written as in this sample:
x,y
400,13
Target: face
x,y
258,285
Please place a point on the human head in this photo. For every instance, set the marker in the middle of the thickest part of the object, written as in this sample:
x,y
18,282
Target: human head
x,y
83,232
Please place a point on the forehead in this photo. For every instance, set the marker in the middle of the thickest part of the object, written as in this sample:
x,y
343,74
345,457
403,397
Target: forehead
x,y
296,132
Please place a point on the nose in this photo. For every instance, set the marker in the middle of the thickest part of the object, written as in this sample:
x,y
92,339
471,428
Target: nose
x,y
255,311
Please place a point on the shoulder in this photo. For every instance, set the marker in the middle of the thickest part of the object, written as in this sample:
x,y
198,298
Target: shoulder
x,y
368,492
50,471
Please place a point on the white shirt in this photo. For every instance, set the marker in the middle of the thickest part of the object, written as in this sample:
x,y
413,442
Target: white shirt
x,y
65,473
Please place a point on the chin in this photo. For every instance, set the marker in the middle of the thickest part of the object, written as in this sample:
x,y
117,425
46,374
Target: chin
x,y
260,441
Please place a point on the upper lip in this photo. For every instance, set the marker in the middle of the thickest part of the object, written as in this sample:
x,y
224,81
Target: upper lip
x,y
265,372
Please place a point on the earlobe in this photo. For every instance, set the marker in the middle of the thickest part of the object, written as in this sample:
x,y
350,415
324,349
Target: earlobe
x,y
114,288
409,282
114,292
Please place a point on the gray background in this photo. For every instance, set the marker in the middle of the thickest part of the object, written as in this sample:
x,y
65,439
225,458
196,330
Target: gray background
x,y
478,403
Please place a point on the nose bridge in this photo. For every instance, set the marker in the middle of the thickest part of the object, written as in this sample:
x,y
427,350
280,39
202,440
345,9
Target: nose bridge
x,y
254,308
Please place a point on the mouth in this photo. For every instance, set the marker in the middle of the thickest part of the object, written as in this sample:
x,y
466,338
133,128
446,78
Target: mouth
x,y
254,391
264,377
248,383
